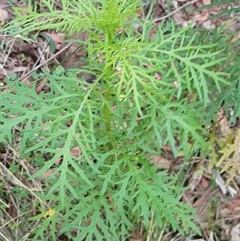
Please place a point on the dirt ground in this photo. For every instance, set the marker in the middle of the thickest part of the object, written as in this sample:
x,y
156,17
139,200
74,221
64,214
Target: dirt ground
x,y
217,204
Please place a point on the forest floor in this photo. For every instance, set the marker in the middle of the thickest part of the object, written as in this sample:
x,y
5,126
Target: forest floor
x,y
217,204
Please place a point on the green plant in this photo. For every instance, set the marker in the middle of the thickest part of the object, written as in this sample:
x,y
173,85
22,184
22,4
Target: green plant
x,y
147,94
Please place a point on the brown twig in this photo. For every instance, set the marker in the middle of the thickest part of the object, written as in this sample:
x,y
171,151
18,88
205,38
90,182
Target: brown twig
x,y
46,61
175,11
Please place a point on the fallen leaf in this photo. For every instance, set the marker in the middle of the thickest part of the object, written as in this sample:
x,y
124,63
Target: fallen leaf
x,y
204,17
45,175
208,25
157,76
40,86
196,178
7,71
233,203
225,212
223,122
206,2
12,211
214,10
204,183
198,4
27,49
235,38
235,233
175,4
4,16
75,152
178,18
160,161
54,36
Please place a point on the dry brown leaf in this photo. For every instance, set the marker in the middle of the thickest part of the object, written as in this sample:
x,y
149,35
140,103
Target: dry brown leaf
x,y
54,36
233,203
2,76
214,10
175,4
178,18
27,49
198,4
158,76
223,122
75,152
160,161
203,207
235,233
196,178
208,25
12,70
235,38
204,183
40,86
12,211
225,212
206,2
4,16
204,17
45,175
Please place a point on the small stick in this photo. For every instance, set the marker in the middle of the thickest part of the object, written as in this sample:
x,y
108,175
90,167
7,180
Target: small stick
x,y
170,14
41,64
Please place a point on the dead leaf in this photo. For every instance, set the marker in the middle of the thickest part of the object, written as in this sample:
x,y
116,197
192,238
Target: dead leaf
x,y
203,205
27,49
160,161
204,183
12,70
225,212
208,25
214,10
178,18
45,175
223,122
235,38
198,4
204,17
75,152
4,16
158,76
235,233
233,203
206,2
196,178
40,86
54,36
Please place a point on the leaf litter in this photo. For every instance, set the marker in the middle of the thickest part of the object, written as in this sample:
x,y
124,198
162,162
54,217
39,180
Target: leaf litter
x,y
218,213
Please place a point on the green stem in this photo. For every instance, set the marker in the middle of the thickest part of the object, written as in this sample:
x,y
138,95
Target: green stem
x,y
107,114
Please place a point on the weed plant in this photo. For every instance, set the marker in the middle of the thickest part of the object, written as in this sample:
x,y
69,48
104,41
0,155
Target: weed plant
x,y
147,94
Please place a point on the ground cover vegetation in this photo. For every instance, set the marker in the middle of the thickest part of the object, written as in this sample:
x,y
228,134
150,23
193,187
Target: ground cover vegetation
x,y
153,89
